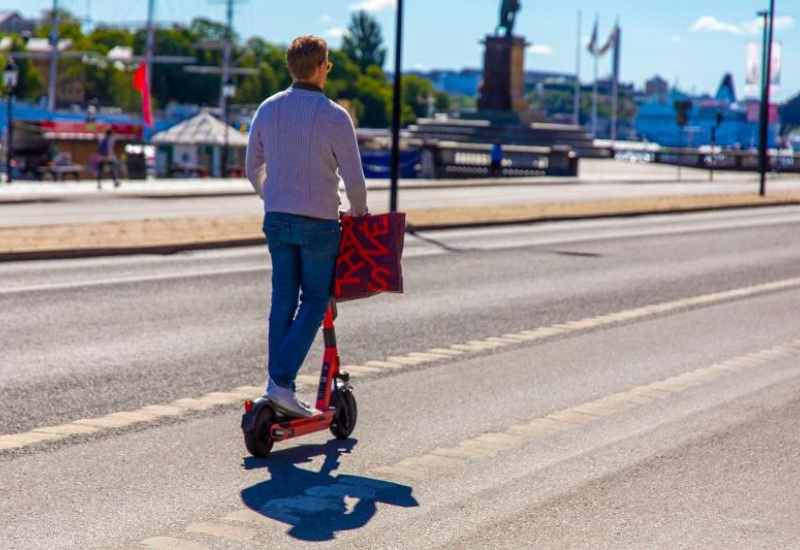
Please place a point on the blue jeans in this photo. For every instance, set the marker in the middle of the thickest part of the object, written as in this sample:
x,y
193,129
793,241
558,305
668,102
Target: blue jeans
x,y
303,254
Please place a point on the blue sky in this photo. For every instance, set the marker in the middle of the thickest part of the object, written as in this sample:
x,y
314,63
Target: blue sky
x,y
692,42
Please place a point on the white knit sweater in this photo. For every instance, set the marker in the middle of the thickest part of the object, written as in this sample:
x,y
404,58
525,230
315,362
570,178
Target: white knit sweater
x,y
300,144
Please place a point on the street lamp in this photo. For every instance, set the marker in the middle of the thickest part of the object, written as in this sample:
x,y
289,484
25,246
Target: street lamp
x,y
719,119
10,81
91,114
396,107
228,92
766,77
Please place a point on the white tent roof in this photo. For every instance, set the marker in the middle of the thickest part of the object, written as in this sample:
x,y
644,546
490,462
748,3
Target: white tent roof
x,y
202,129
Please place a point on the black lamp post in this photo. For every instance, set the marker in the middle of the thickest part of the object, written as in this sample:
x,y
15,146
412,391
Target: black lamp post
x,y
397,106
229,91
719,119
91,114
766,77
10,80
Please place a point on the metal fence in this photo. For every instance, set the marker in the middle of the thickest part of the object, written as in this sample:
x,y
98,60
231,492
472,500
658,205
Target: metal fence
x,y
719,159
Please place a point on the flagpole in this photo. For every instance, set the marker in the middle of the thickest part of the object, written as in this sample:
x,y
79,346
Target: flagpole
x,y
148,55
594,96
576,111
576,108
615,83
52,84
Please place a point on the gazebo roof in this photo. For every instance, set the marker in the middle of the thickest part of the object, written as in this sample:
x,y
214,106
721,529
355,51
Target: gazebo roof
x,y
202,129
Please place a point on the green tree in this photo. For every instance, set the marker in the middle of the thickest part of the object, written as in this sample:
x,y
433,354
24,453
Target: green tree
x,y
364,41
256,88
102,39
171,83
443,101
343,77
373,102
270,62
208,29
29,84
415,95
357,75
68,26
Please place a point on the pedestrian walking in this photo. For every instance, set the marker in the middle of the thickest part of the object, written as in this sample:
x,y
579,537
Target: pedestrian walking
x,y
106,156
496,157
300,143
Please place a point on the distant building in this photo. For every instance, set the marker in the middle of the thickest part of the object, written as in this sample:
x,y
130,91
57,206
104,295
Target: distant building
x,y
727,89
467,81
464,82
656,87
656,120
195,146
790,112
11,22
71,87
535,78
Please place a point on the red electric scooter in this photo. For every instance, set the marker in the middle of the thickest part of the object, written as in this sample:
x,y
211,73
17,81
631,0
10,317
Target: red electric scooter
x,y
263,426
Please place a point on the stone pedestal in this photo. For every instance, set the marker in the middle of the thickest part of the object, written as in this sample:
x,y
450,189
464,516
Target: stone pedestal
x,y
503,87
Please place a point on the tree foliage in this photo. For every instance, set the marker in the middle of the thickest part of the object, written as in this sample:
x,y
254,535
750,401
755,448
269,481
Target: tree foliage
x,y
363,42
29,83
357,76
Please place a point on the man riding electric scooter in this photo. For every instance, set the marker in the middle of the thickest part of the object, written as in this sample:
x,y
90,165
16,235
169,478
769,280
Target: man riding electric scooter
x,y
300,144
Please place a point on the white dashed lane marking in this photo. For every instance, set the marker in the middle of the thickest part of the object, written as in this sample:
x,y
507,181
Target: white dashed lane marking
x,y
243,526
215,399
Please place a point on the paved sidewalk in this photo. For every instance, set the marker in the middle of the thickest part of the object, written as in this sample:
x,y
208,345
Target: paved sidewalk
x,y
592,172
602,190
178,234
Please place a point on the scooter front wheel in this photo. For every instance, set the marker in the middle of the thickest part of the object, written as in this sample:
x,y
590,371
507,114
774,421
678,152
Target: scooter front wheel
x,y
344,422
258,440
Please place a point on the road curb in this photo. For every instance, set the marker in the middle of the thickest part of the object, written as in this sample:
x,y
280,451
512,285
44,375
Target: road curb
x,y
161,250
449,184
167,249
578,217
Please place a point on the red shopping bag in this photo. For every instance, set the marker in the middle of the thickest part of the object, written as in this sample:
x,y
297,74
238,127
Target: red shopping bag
x,y
369,256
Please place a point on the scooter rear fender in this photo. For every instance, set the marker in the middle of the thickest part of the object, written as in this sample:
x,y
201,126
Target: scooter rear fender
x,y
249,419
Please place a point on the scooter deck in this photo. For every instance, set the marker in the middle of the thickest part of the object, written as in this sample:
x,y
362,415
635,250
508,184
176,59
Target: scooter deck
x,y
287,428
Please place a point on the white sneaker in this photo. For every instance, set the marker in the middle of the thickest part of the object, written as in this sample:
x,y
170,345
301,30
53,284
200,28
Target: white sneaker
x,y
285,401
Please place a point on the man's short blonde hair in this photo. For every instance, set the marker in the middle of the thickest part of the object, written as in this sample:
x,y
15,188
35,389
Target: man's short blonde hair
x,y
304,55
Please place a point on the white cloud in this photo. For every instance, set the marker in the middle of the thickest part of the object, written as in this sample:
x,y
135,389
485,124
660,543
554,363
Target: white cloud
x,y
753,27
782,22
709,23
540,49
374,5
326,19
336,33
712,24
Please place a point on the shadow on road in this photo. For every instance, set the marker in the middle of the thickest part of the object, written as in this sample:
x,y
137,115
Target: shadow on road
x,y
440,244
575,254
318,504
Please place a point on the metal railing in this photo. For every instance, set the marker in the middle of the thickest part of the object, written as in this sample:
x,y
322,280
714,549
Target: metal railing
x,y
718,159
449,159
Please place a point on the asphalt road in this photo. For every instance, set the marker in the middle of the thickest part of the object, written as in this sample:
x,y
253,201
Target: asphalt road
x,y
112,206
445,454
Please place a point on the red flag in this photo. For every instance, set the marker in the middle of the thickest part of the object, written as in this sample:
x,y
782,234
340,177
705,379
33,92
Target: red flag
x,y
141,83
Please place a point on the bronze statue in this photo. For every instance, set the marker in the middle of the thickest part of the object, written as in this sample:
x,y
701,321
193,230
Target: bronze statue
x,y
508,16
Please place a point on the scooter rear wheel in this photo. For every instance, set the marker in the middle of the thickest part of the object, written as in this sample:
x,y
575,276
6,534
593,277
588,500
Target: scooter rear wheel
x,y
344,422
258,440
